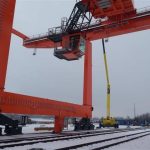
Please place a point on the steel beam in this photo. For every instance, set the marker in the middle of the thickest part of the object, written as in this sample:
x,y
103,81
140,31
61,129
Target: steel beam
x,y
87,91
7,8
22,104
19,34
138,23
107,29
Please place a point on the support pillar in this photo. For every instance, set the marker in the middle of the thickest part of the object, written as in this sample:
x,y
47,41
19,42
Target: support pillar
x,y
7,8
59,124
87,91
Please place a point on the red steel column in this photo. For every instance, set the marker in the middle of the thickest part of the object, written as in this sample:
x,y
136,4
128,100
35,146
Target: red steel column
x,y
87,91
59,124
7,8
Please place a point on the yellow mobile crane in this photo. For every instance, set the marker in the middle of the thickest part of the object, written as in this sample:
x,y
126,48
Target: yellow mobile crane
x,y
108,121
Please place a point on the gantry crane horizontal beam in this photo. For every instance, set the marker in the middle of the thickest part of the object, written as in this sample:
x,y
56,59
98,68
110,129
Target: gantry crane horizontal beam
x,y
139,22
22,104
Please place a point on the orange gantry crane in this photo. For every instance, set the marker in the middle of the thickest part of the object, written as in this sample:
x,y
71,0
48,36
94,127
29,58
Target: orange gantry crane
x,y
90,20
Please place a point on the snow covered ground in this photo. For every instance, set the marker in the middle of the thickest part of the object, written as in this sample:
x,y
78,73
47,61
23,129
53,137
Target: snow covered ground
x,y
139,144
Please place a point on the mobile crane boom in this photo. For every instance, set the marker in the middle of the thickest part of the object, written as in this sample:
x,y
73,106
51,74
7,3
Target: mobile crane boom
x,y
108,121
107,78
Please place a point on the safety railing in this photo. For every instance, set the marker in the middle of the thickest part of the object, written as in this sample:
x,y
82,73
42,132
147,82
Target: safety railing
x,y
35,37
39,35
55,30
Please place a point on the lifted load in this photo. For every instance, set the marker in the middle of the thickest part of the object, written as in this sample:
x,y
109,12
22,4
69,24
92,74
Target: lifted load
x,y
73,47
11,126
84,124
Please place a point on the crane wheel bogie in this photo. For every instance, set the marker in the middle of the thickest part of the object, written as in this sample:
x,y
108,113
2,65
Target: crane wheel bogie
x,y
84,124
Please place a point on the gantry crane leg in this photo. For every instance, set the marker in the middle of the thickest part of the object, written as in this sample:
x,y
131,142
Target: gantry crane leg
x,y
7,8
85,123
59,124
87,89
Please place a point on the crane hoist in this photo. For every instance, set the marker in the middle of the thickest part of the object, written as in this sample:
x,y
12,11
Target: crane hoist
x,y
72,41
108,121
73,47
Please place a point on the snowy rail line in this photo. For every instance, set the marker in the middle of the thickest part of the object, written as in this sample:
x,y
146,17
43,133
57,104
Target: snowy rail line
x,y
121,135
131,137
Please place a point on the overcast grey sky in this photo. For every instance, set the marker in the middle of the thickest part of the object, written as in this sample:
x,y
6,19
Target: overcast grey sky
x,y
46,76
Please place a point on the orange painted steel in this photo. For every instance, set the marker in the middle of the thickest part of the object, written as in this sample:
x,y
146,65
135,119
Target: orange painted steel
x,y
22,104
134,24
19,34
87,95
6,20
59,124
123,19
107,29
115,7
43,43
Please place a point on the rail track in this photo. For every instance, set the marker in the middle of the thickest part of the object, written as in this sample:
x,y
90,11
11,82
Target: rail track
x,y
63,137
33,136
106,143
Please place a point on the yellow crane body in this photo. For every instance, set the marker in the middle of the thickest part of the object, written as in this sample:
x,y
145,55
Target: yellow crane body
x,y
108,121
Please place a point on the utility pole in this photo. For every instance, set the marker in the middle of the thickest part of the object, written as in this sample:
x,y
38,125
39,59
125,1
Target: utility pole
x,y
134,111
